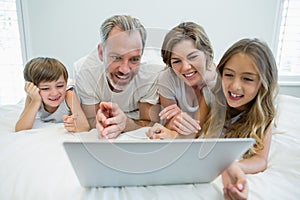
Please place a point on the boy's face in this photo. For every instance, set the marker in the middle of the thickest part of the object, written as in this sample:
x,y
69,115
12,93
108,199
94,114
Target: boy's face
x,y
121,56
53,93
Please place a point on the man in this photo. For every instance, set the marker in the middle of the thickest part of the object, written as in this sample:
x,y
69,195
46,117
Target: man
x,y
117,90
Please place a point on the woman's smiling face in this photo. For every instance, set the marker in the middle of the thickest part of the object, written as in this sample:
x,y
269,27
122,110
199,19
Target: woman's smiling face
x,y
188,62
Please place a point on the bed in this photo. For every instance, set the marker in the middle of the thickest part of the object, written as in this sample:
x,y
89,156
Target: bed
x,y
34,165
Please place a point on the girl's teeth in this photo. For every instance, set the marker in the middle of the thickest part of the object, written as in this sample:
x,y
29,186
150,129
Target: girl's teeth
x,y
235,95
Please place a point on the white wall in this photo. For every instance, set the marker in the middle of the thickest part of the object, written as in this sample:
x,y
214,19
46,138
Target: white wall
x,y
69,29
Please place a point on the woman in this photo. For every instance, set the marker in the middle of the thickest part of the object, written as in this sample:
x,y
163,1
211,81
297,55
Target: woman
x,y
184,85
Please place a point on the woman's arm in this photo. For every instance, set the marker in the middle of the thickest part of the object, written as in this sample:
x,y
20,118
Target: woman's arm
x,y
166,114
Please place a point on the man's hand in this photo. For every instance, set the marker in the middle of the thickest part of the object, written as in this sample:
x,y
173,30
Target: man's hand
x,y
110,120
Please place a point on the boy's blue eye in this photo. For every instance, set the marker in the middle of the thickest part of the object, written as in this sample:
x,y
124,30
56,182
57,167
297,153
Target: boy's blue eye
x,y
60,86
44,88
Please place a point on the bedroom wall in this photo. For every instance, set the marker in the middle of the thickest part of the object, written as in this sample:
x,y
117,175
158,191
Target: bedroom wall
x,y
69,29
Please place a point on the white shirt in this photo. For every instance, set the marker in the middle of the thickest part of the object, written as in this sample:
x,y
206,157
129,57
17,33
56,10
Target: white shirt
x,y
92,85
172,87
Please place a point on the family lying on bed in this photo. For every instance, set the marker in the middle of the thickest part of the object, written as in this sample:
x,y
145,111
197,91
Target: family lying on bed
x,y
120,93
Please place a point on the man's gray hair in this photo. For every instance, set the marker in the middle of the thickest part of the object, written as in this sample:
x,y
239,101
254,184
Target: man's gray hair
x,y
125,23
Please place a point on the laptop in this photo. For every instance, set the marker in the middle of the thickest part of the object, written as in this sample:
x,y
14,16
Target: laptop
x,y
106,163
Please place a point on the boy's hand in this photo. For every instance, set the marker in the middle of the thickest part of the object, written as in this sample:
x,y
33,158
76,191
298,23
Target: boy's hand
x,y
33,92
70,123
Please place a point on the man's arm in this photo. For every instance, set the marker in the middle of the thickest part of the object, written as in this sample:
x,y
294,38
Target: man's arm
x,y
90,113
148,117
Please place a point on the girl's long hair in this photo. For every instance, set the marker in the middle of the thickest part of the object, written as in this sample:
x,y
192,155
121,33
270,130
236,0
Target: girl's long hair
x,y
261,111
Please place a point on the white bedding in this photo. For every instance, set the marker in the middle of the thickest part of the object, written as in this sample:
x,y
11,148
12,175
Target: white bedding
x,y
34,165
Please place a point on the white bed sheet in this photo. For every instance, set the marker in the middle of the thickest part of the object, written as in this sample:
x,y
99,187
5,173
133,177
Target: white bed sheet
x,y
34,165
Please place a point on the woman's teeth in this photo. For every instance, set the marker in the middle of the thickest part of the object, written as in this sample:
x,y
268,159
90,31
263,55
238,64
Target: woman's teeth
x,y
189,75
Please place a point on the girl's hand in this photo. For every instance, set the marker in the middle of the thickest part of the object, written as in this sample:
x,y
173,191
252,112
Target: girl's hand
x,y
158,131
234,182
70,123
33,92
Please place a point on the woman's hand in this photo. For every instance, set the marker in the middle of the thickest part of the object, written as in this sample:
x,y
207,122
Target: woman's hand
x,y
179,121
158,131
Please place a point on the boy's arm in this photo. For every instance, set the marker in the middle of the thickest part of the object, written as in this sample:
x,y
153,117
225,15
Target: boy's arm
x,y
81,121
27,117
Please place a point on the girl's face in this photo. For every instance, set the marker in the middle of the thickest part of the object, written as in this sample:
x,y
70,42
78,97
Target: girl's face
x,y
53,93
188,63
240,81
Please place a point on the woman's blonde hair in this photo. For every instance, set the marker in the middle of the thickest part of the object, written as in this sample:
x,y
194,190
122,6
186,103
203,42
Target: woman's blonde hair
x,y
187,31
261,111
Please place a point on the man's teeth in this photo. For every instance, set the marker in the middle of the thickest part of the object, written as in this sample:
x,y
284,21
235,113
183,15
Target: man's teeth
x,y
122,77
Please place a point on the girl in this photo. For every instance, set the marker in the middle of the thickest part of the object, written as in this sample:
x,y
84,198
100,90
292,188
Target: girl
x,y
183,90
48,96
249,85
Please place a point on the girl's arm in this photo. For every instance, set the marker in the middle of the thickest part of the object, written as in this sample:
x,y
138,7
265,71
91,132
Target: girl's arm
x,y
27,117
234,180
259,161
81,123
